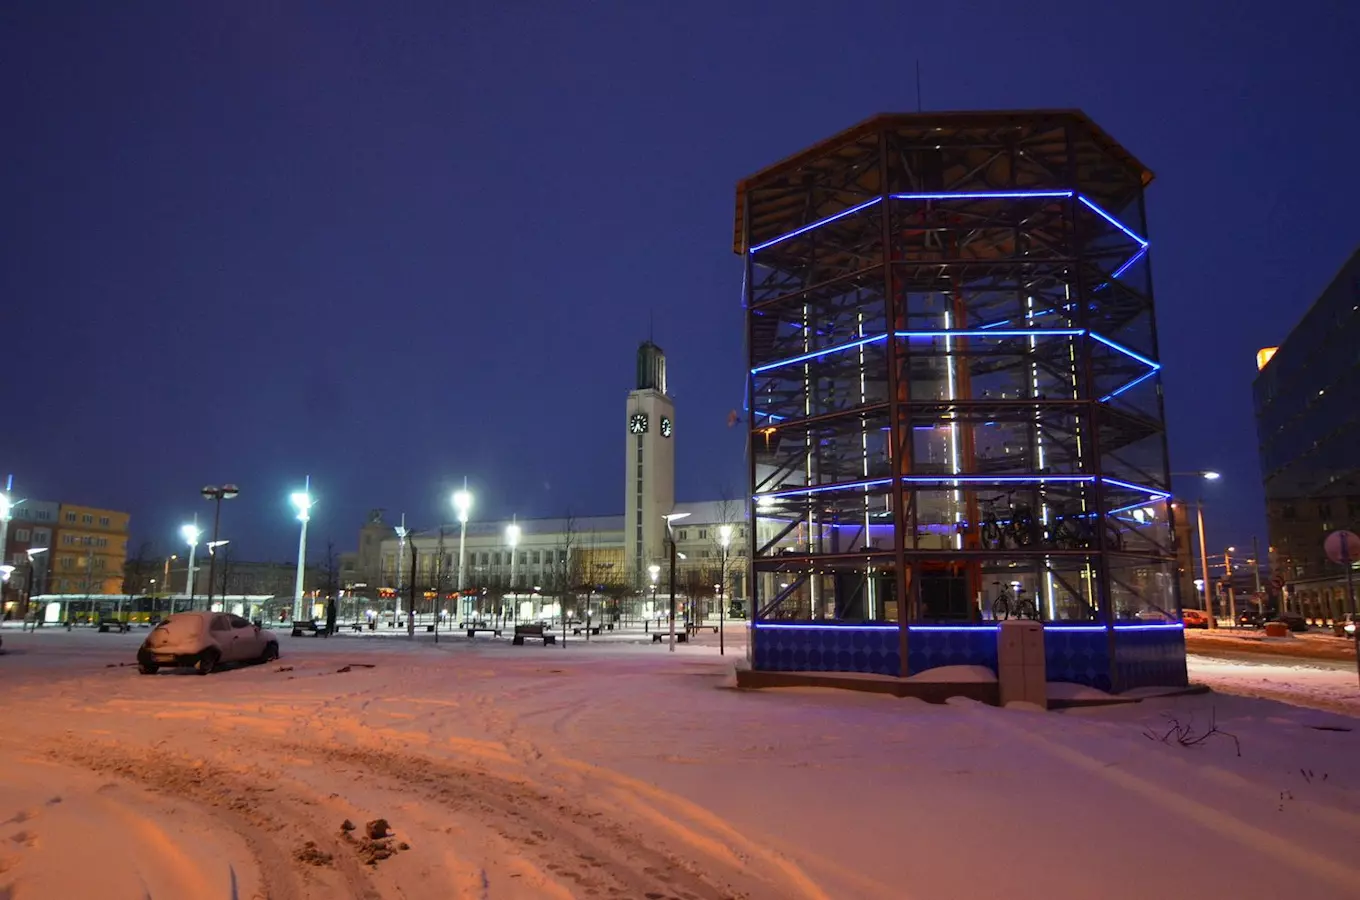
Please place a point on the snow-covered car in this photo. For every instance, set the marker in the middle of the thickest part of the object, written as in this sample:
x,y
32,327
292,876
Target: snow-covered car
x,y
205,640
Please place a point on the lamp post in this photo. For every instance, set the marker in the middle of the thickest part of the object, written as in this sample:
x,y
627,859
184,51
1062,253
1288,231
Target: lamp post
x,y
303,501
401,551
28,582
191,535
218,494
512,533
1209,609
212,558
724,539
1227,579
654,571
6,510
462,502
670,535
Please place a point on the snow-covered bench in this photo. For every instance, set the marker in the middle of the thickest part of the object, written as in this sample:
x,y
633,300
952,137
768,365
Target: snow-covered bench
x,y
533,631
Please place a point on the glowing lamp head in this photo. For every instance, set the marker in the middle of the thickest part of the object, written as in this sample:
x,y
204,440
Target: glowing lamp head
x,y
462,502
512,533
724,534
655,572
1212,476
5,572
304,503
6,505
191,534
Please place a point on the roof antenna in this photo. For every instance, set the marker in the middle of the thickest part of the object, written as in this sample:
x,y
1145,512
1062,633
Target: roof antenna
x,y
918,85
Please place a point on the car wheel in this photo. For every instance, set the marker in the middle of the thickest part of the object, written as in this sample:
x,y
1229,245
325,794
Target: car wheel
x,y
207,661
147,668
271,652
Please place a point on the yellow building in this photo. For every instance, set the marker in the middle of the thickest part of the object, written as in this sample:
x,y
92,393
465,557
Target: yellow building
x,y
89,548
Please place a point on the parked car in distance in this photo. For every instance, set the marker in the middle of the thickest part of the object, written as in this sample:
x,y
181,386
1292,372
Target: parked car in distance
x,y
1292,621
203,641
1194,618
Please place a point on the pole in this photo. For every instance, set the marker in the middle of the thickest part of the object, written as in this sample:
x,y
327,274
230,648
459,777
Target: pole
x,y
304,515
212,551
462,549
401,552
1227,578
671,535
1256,572
1209,605
189,581
1350,594
411,601
722,604
28,590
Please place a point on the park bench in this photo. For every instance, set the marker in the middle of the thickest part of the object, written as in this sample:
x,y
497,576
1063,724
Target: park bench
x,y
594,629
308,627
533,631
659,636
472,630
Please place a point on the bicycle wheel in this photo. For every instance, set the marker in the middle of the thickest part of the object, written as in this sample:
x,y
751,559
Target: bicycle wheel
x,y
1001,609
991,533
1022,528
1025,609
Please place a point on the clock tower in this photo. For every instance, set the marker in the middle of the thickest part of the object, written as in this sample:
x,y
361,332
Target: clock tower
x,y
649,488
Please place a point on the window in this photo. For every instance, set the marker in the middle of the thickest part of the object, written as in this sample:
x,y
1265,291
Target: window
x,y
42,515
41,536
220,623
238,622
684,535
70,517
67,562
703,534
536,557
103,521
21,534
86,519
486,558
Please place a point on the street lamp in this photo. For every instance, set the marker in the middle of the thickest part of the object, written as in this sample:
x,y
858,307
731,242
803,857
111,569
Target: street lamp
x,y
302,500
670,535
191,534
655,572
462,502
402,532
512,533
28,581
212,557
724,539
7,505
218,494
1209,611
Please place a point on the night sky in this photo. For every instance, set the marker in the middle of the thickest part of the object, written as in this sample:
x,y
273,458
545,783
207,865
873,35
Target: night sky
x,y
393,244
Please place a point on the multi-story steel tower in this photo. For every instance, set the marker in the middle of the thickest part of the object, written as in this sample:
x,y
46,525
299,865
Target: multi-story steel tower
x,y
954,393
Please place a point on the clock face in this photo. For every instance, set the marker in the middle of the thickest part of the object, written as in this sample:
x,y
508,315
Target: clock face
x,y
638,423
665,427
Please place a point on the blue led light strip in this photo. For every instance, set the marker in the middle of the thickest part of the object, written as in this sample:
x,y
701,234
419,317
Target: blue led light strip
x,y
984,333
986,195
1052,626
818,224
825,351
1126,351
1112,220
962,195
965,479
1137,381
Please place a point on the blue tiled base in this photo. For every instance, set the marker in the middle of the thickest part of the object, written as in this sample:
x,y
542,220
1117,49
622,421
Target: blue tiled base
x,y
929,649
1150,658
830,648
1080,656
1143,657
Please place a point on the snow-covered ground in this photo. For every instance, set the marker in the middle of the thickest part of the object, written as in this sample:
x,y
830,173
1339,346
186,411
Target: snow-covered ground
x,y
622,770
1322,684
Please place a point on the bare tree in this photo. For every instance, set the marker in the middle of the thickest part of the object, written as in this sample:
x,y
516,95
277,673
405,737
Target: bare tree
x,y
731,513
331,583
566,565
137,570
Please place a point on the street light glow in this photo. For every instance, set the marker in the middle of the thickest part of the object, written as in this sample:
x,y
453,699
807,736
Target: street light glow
x,y
462,502
724,534
512,533
304,503
655,572
1211,476
191,534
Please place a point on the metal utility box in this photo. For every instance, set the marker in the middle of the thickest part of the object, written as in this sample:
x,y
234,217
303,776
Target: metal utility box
x,y
1020,666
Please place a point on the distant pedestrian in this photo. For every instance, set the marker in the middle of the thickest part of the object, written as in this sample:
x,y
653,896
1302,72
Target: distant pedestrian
x,y
330,617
